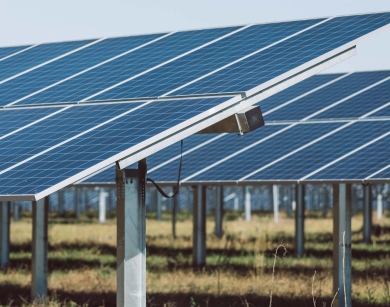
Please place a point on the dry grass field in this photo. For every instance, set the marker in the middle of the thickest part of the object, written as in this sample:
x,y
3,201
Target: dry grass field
x,y
82,264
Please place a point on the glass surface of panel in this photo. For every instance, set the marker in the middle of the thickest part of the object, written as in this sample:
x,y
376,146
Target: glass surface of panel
x,y
35,56
127,66
100,144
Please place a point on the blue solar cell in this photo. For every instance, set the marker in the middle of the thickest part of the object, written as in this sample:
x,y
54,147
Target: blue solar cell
x,y
327,96
317,155
214,152
382,112
26,85
55,129
127,66
277,146
36,56
385,174
289,54
363,163
206,60
157,158
102,143
295,91
7,51
12,119
362,103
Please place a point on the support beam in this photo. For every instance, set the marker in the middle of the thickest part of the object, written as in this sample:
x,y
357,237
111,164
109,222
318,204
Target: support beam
x,y
39,265
247,202
275,192
367,214
102,205
218,211
4,233
379,205
16,211
342,256
131,236
300,220
199,226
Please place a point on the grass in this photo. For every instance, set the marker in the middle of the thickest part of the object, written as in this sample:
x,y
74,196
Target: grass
x,y
82,263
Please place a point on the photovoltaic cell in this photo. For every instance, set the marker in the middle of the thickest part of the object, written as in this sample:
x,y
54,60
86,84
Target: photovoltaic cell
x,y
100,144
36,56
65,67
12,119
295,91
127,66
362,163
7,51
329,95
383,112
206,60
287,55
319,154
266,152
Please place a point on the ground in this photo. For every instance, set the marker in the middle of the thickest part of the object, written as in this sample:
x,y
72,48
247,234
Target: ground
x,y
82,263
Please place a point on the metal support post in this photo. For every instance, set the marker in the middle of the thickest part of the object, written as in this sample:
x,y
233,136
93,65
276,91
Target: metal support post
x,y
300,220
342,256
39,265
102,205
326,201
275,192
199,230
175,205
159,206
218,211
16,211
247,197
367,214
61,200
379,205
78,202
4,233
131,236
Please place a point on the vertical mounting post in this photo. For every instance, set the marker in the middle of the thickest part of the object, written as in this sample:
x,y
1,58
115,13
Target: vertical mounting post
x,y
300,220
275,192
175,204
199,226
218,211
367,214
102,205
78,201
379,202
61,200
326,201
4,233
16,211
247,197
131,236
342,270
159,206
39,263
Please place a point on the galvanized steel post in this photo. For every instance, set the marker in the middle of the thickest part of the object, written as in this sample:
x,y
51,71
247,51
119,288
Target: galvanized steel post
x,y
342,256
131,236
39,264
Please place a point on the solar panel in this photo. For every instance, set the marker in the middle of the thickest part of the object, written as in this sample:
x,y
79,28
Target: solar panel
x,y
101,143
78,140
371,102
7,52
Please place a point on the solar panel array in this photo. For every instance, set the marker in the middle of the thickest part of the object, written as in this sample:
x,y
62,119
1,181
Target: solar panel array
x,y
70,109
330,127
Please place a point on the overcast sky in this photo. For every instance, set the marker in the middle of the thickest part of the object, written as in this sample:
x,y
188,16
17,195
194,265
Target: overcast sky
x,y
33,21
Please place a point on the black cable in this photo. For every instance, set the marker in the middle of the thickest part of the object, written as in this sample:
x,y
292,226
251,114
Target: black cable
x,y
176,190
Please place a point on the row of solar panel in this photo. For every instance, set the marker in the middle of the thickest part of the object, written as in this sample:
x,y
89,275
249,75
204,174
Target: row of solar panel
x,y
231,158
221,60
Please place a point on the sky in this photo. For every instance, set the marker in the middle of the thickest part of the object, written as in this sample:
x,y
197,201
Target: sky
x,y
27,22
